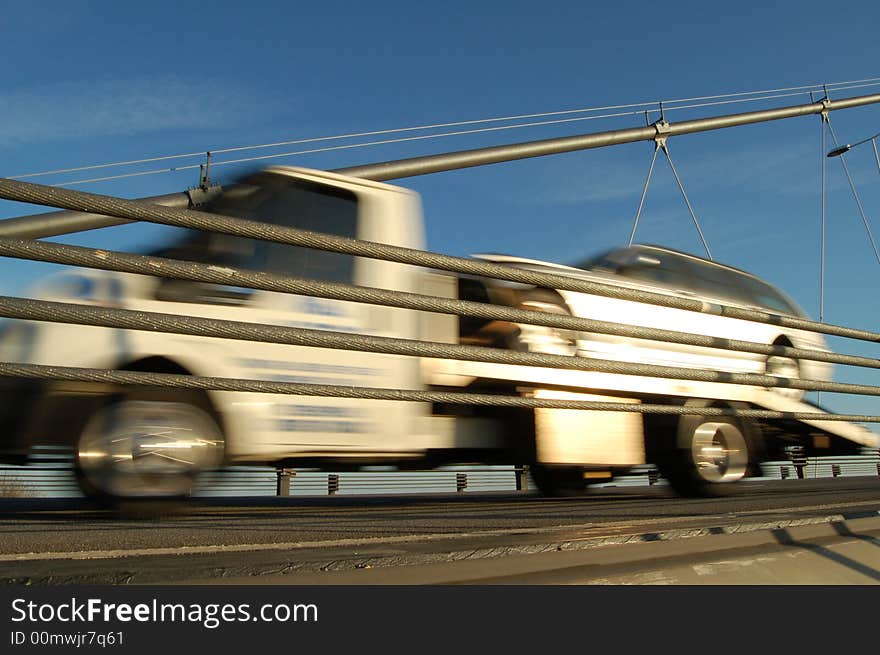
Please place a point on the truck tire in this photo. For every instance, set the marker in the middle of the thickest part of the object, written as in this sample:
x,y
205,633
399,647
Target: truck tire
x,y
551,480
146,449
705,455
559,481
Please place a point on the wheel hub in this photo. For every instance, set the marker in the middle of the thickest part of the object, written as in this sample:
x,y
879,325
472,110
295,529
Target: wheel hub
x,y
139,448
720,452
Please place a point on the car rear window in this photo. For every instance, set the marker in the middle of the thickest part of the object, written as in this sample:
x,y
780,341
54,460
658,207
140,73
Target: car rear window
x,y
692,275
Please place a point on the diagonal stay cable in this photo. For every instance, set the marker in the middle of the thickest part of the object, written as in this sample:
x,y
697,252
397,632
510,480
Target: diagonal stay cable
x,y
686,201
876,153
632,235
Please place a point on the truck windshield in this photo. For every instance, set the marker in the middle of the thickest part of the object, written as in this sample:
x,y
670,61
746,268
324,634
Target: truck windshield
x,y
280,200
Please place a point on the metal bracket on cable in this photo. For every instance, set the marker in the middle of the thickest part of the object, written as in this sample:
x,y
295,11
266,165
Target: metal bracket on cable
x,y
826,108
205,172
662,127
198,196
826,104
205,191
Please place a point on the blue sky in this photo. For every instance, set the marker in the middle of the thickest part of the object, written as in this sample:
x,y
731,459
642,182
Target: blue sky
x,y
92,82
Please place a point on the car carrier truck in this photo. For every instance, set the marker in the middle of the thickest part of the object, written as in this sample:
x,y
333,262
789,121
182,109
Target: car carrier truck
x,y
132,442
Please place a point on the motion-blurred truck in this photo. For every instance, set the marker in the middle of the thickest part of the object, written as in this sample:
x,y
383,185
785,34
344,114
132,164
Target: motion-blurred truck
x,y
134,442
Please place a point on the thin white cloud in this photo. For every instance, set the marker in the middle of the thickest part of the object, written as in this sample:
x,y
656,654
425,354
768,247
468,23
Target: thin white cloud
x,y
88,109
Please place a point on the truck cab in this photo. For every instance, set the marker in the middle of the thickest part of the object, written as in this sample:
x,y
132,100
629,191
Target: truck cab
x,y
121,436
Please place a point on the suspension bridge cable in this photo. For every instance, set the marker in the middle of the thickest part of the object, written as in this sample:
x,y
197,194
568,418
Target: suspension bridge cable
x,y
347,146
356,145
671,104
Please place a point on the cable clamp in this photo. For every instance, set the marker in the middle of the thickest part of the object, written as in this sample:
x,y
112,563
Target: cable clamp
x,y
205,172
662,133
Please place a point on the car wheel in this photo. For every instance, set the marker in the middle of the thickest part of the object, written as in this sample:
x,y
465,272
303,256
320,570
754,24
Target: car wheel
x,y
538,338
784,367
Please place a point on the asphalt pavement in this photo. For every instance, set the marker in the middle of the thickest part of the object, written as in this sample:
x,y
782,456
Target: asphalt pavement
x,y
44,541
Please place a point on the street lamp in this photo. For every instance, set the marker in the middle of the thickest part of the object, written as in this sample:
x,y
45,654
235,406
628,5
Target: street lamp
x,y
844,149
837,152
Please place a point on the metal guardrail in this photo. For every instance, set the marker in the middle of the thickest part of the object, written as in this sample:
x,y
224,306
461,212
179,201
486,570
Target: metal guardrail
x,y
56,479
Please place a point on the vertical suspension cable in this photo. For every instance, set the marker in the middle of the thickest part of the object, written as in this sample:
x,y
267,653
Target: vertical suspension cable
x,y
822,157
822,181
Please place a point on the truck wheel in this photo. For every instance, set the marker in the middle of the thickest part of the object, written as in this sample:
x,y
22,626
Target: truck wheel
x,y
559,481
706,454
141,450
